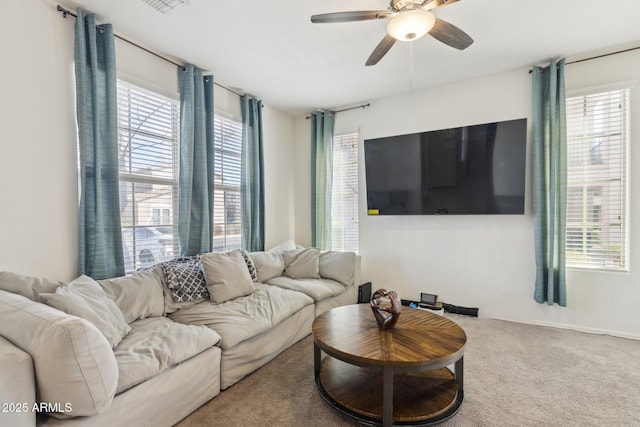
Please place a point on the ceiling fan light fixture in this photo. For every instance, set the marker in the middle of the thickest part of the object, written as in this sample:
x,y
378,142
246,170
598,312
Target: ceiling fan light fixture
x,y
411,25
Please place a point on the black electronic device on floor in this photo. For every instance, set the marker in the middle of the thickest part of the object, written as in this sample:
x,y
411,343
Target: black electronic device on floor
x,y
467,311
364,293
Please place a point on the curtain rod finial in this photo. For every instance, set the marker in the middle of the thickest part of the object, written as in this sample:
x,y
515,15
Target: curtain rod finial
x,y
64,11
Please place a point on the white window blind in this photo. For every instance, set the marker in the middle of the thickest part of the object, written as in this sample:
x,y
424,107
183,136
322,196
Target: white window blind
x,y
344,197
148,126
597,140
226,204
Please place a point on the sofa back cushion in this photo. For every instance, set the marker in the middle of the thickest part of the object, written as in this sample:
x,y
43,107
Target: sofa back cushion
x,y
269,264
227,276
26,286
73,361
339,266
84,298
138,295
302,263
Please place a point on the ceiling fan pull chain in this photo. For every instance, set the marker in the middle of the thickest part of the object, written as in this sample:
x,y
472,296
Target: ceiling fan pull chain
x,y
411,66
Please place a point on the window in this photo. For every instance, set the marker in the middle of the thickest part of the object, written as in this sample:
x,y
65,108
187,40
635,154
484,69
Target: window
x,y
344,197
597,140
226,203
148,126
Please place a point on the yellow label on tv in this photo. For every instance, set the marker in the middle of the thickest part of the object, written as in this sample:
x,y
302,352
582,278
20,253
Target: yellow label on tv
x,y
373,212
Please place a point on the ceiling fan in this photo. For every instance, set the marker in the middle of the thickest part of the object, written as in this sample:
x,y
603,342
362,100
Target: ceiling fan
x,y
410,20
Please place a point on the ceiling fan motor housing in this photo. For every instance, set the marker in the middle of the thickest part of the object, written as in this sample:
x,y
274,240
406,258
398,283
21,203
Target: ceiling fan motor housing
x,y
400,5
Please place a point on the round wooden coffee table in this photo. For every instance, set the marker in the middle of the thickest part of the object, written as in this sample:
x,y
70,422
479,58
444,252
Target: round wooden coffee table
x,y
397,376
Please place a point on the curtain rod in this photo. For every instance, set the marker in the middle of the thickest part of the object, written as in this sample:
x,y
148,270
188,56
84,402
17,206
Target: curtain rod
x,y
66,12
599,56
363,106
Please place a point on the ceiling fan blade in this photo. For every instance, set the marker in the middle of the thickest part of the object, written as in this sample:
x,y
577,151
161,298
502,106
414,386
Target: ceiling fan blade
x,y
434,4
364,15
381,50
450,35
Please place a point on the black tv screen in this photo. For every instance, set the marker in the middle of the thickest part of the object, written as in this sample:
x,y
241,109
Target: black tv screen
x,y
469,170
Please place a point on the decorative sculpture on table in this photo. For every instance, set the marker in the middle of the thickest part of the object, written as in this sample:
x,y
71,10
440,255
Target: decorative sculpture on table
x,y
386,307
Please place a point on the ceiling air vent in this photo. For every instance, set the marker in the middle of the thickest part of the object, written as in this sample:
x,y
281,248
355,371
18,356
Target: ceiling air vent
x,y
167,6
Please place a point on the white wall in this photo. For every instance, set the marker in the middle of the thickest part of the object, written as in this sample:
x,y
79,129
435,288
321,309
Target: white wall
x,y
480,261
279,177
38,161
38,167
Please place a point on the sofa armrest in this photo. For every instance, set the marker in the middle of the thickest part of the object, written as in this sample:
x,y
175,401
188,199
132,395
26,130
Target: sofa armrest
x,y
18,391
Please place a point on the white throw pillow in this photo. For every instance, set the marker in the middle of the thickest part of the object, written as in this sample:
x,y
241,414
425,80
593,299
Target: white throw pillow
x,y
227,276
302,263
84,298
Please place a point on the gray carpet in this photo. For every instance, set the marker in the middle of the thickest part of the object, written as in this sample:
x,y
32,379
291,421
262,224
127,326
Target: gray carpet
x,y
515,375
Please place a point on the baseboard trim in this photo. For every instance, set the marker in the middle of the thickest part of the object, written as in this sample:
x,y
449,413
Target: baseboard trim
x,y
595,331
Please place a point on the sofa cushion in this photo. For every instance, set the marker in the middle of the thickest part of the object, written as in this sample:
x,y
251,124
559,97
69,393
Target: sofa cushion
x,y
84,298
318,289
155,344
185,279
269,264
243,318
302,263
18,386
338,266
27,286
138,295
83,372
226,275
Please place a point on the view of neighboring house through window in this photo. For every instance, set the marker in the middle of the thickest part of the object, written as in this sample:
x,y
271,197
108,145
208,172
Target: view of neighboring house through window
x,y
597,140
344,197
148,129
226,204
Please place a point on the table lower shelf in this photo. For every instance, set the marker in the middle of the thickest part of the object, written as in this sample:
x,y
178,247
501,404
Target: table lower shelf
x,y
418,397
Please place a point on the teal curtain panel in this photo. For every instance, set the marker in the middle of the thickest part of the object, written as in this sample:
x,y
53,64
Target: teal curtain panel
x,y
322,123
100,253
252,175
549,149
196,177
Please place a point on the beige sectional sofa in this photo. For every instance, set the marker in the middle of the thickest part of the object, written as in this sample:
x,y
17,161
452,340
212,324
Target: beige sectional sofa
x,y
150,348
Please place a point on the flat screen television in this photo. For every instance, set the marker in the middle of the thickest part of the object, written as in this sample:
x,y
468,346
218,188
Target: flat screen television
x,y
470,170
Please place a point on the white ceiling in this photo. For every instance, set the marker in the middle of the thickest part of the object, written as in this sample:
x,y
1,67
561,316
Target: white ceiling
x,y
271,50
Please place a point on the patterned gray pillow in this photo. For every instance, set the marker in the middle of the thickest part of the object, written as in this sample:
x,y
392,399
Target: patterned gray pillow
x,y
253,271
185,279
